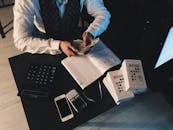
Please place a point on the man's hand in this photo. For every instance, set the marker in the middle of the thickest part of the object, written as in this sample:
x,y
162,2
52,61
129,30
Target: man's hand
x,y
87,38
67,48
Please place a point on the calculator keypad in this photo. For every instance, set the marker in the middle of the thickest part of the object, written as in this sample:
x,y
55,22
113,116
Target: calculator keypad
x,y
41,75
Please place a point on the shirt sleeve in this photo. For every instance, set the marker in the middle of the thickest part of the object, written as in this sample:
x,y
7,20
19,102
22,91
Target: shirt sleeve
x,y
101,16
23,35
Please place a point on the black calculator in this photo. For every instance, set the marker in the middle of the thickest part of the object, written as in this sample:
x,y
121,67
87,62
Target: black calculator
x,y
39,78
41,75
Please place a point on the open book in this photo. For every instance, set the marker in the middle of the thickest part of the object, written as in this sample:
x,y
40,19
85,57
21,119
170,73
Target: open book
x,y
85,69
124,83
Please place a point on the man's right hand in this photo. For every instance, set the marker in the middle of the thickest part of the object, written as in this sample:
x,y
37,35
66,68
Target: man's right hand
x,y
67,48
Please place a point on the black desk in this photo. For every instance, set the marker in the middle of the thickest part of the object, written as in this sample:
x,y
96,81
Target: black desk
x,y
41,113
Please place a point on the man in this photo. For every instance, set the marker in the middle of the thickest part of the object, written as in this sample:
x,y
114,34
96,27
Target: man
x,y
57,20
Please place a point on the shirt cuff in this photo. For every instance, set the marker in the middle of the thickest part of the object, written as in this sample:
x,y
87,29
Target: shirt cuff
x,y
54,45
92,32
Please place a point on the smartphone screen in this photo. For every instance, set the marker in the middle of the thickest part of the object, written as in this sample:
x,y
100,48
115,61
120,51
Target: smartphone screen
x,y
63,106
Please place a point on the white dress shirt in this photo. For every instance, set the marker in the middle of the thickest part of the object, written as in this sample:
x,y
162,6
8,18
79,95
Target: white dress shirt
x,y
27,16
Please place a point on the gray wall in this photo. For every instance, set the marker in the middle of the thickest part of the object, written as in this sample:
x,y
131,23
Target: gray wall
x,y
171,1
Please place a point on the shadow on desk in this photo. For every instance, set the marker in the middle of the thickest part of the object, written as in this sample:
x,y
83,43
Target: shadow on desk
x,y
41,113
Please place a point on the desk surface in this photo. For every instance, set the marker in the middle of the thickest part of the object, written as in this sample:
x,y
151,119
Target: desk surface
x,y
148,111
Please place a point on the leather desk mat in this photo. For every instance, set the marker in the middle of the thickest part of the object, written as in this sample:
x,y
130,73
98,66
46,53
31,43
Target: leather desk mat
x,y
41,113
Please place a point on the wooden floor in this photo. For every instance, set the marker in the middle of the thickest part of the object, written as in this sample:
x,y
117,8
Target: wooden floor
x,y
12,116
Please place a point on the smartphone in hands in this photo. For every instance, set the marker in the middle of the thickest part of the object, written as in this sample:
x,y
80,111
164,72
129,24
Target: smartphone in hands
x,y
84,50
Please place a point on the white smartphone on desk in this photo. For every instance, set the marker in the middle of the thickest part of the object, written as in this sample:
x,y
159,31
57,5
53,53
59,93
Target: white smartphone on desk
x,y
63,107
